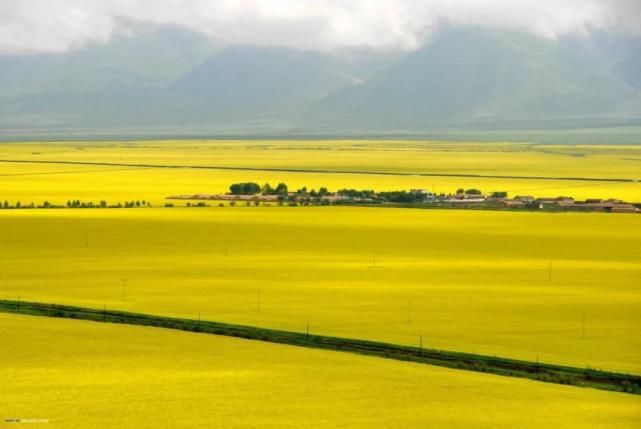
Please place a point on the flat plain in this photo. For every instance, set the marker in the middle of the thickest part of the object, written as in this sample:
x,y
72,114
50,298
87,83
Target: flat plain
x,y
562,288
465,280
92,375
122,170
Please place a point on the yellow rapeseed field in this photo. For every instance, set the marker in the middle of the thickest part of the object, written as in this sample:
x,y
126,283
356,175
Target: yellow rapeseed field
x,y
75,374
561,287
331,164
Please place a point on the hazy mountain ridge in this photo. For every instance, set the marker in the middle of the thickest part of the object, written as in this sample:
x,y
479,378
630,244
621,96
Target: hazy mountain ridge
x,y
464,78
477,77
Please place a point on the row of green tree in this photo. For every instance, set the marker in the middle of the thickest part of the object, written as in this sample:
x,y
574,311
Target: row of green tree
x,y
253,188
75,204
282,190
384,196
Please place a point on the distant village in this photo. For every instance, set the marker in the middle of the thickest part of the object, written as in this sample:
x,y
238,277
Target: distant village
x,y
252,193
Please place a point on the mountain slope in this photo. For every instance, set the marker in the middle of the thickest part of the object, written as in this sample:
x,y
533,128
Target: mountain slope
x,y
246,82
172,78
479,77
465,78
100,83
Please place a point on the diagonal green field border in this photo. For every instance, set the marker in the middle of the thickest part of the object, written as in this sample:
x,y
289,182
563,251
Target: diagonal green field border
x,y
472,362
319,171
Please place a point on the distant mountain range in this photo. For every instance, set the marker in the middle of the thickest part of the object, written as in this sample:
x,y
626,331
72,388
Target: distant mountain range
x,y
465,78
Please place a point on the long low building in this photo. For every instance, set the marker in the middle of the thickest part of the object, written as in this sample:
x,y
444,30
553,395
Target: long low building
x,y
604,207
568,203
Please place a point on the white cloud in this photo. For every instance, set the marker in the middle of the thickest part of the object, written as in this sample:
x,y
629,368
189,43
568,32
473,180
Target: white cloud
x,y
59,25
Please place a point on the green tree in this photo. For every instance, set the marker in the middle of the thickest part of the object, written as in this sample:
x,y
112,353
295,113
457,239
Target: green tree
x,y
267,189
245,188
282,189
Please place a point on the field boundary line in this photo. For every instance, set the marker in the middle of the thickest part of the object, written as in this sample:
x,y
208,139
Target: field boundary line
x,y
302,170
544,372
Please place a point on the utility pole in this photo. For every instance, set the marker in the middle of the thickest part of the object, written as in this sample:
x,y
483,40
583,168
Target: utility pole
x,y
307,333
124,289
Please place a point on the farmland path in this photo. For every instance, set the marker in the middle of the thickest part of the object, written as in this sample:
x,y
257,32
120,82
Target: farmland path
x,y
321,171
545,372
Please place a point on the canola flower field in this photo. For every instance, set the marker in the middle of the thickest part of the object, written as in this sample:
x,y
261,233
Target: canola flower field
x,y
88,375
57,171
561,287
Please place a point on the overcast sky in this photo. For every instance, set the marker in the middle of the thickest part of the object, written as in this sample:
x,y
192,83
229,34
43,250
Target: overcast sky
x,y
60,25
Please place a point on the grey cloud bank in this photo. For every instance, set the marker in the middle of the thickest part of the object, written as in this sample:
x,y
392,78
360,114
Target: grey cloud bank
x,y
62,25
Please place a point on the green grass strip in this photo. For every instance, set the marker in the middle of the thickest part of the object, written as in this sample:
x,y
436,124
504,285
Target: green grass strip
x,y
585,377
